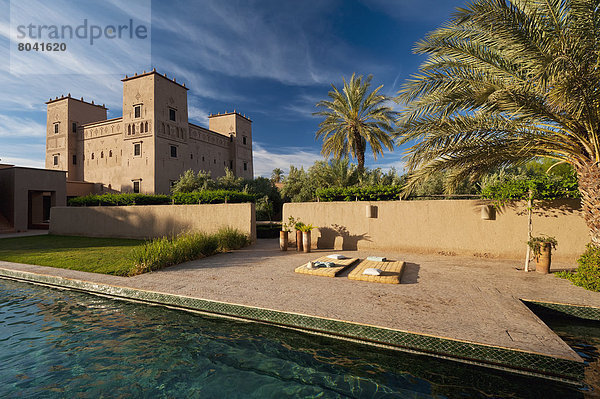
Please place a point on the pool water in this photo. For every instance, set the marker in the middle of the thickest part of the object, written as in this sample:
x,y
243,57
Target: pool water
x,y
56,343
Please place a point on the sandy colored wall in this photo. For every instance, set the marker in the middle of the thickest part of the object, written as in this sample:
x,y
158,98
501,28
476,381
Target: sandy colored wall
x,y
40,180
447,227
151,220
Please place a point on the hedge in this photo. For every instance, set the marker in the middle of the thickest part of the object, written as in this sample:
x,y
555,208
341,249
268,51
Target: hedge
x,y
372,193
202,197
119,199
212,197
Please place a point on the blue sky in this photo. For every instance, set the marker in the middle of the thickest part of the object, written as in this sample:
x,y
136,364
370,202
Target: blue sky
x,y
271,60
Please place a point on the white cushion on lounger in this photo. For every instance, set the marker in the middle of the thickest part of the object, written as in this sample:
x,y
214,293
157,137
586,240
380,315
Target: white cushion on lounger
x,y
371,271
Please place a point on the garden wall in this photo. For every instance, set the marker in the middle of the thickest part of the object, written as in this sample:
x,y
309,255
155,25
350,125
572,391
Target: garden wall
x,y
148,221
447,227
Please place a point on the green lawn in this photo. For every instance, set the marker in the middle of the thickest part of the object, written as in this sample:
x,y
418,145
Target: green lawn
x,y
98,255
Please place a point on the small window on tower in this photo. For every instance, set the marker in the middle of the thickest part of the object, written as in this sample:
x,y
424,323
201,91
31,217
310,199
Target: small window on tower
x,y
74,159
245,165
74,127
56,128
55,160
244,139
172,114
231,164
137,149
137,111
173,151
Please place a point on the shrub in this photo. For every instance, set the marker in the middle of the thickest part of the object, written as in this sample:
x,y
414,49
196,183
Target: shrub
x,y
369,193
212,197
229,238
167,251
120,199
587,274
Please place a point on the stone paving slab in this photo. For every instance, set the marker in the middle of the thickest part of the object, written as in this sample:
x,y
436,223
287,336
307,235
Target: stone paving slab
x,y
465,299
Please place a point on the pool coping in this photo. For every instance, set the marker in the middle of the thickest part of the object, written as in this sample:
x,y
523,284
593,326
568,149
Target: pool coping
x,y
496,357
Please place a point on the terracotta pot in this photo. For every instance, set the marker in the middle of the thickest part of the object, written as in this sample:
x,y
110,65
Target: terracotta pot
x,y
283,240
306,241
543,260
298,240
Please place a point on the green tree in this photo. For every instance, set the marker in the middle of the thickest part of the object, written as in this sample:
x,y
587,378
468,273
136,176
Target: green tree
x,y
355,117
505,82
277,175
189,182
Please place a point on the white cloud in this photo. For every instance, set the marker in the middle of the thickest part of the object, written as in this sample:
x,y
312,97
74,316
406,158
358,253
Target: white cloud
x,y
26,162
265,161
16,127
244,39
198,116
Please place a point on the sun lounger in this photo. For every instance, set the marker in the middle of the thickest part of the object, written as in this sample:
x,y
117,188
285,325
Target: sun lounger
x,y
339,266
391,272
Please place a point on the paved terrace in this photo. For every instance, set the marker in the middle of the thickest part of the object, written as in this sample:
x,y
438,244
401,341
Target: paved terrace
x,y
461,298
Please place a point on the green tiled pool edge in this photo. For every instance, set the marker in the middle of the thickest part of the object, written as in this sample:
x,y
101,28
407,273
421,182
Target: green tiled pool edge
x,y
522,362
579,311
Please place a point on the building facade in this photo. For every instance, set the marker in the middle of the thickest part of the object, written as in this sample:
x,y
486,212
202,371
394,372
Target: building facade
x,y
148,148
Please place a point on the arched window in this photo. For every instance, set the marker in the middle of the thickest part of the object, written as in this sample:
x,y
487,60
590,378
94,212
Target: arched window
x,y
110,154
101,154
129,129
92,155
146,127
141,127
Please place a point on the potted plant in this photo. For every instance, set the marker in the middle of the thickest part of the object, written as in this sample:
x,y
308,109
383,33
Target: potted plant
x,y
283,236
298,225
306,229
542,247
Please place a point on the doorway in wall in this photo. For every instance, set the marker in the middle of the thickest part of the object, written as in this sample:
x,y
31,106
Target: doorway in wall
x,y
39,206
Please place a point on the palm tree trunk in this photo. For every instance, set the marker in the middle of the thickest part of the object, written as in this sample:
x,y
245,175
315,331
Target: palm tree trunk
x,y
589,185
361,147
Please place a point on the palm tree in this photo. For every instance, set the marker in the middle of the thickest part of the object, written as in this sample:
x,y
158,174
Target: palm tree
x,y
507,81
277,175
354,118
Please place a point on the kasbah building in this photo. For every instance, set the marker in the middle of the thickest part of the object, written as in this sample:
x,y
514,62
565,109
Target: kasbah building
x,y
149,147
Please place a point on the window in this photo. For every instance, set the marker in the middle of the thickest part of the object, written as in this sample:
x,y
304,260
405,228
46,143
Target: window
x,y
92,155
173,151
215,161
231,165
231,138
244,139
137,149
110,154
191,156
56,128
146,127
101,154
136,186
55,160
137,111
172,115
74,127
202,159
74,159
245,165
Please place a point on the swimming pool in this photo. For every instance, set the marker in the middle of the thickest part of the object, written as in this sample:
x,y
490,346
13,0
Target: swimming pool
x,y
56,343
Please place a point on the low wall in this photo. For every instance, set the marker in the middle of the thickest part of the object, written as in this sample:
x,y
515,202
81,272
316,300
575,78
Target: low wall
x,y
150,221
446,227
